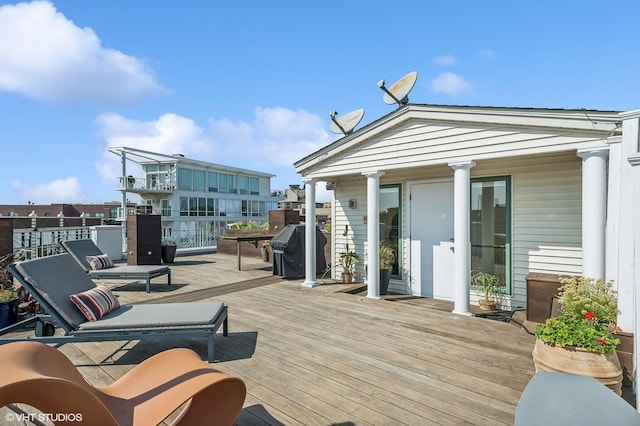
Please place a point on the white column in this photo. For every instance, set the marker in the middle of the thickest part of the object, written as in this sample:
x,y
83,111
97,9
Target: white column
x,y
629,255
462,234
635,277
594,204
373,233
310,233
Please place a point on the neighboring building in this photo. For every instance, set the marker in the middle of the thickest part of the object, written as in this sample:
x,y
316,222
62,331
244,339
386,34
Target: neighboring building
x,y
294,199
107,211
195,199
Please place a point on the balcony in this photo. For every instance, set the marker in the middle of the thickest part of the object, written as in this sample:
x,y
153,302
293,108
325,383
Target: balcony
x,y
142,186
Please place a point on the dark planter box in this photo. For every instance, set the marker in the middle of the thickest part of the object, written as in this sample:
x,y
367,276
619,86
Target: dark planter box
x,y
541,289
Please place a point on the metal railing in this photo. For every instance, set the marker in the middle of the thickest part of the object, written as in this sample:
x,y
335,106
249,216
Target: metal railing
x,y
35,243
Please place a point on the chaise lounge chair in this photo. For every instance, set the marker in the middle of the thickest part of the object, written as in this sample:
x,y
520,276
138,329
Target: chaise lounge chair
x,y
53,279
45,379
80,249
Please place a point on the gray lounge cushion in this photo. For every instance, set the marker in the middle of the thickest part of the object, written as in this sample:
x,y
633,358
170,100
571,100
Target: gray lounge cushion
x,y
145,316
80,249
69,279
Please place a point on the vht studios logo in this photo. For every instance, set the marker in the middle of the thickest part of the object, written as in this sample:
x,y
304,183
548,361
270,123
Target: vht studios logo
x,y
42,417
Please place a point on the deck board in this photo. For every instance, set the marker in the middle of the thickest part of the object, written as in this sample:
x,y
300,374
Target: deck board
x,y
324,356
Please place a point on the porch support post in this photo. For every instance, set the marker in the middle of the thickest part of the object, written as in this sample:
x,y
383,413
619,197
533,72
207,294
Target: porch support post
x,y
310,233
594,204
373,233
462,234
629,256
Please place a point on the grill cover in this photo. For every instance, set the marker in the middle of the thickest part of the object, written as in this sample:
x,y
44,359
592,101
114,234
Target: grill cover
x,y
288,252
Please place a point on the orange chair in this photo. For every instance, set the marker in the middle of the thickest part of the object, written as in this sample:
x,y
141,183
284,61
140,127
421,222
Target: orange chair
x,y
41,376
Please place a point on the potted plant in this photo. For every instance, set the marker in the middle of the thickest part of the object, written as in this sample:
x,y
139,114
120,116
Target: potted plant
x,y
8,295
485,285
582,339
348,259
169,248
386,258
264,251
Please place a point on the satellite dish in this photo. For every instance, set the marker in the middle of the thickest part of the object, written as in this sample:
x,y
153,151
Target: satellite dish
x,y
397,94
347,122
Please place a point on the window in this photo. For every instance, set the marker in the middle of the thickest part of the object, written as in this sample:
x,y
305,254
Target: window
x,y
202,206
223,206
491,227
245,208
198,180
390,224
184,179
184,206
243,184
254,186
213,182
193,207
165,208
210,206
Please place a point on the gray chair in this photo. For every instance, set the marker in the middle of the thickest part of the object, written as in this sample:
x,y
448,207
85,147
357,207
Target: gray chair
x,y
80,249
52,280
568,399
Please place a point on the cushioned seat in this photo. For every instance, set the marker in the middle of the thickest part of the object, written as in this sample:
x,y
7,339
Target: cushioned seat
x,y
81,249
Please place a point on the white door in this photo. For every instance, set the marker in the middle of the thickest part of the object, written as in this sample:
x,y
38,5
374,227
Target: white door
x,y
430,224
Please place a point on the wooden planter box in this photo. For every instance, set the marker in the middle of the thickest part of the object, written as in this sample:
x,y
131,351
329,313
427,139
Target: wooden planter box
x,y
541,289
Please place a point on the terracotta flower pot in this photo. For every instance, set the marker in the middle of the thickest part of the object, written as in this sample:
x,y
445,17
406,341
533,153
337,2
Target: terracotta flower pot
x,y
604,367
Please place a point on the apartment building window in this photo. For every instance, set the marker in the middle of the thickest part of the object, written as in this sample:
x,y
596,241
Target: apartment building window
x,y
184,206
248,185
211,206
165,208
222,206
254,186
228,183
198,180
234,207
243,184
213,182
184,179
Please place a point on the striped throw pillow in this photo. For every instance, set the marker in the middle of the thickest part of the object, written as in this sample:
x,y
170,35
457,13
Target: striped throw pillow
x,y
100,261
95,303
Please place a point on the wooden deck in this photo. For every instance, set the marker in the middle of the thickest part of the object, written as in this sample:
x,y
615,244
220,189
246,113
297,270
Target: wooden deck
x,y
325,356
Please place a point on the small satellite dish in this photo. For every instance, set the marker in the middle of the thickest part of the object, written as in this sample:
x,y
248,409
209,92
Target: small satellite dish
x,y
397,94
347,122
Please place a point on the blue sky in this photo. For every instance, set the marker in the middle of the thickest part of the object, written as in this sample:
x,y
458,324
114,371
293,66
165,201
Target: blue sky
x,y
251,83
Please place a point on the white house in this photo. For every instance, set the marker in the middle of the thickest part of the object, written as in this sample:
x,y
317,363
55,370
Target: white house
x,y
195,199
507,190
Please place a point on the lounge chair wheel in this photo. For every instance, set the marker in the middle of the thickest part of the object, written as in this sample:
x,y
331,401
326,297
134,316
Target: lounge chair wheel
x,y
44,328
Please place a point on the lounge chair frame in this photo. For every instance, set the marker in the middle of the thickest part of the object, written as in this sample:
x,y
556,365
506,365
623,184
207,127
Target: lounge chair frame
x,y
80,249
105,329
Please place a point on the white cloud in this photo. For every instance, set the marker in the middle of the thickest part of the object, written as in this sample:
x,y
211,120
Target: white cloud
x,y
275,139
277,136
66,190
169,134
486,54
45,56
445,60
451,84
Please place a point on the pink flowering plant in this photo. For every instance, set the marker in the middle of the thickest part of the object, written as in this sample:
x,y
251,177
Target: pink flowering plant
x,y
589,316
